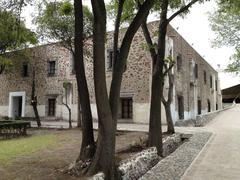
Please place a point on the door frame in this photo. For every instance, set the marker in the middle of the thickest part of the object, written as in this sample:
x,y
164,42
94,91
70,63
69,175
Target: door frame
x,y
10,107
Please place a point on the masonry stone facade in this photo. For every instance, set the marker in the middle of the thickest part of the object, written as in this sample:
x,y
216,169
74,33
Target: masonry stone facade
x,y
196,83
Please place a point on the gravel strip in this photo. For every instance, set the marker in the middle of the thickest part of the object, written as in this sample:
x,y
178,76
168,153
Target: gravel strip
x,y
173,166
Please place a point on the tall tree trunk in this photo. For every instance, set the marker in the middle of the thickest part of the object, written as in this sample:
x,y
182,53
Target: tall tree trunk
x,y
155,124
170,125
87,125
34,99
79,114
104,159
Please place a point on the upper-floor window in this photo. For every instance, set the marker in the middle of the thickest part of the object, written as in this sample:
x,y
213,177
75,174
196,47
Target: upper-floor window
x,y
25,70
205,77
72,64
211,82
51,68
216,85
196,71
109,63
179,62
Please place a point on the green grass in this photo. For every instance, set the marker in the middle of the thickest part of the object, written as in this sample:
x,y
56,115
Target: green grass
x,y
10,149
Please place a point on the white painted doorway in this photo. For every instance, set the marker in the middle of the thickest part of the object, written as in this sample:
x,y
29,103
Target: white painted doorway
x,y
16,104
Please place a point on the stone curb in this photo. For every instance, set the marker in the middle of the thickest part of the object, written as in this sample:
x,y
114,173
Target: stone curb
x,y
174,166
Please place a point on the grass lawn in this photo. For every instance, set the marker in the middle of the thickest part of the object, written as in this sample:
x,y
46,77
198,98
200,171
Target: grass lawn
x,y
10,149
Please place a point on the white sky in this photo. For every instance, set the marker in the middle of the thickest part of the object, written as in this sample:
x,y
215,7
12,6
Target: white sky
x,y
195,29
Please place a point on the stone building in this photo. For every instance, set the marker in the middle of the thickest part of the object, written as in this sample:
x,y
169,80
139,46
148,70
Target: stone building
x,y
196,86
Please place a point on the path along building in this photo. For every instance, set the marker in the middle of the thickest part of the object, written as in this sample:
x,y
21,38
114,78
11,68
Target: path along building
x,y
196,86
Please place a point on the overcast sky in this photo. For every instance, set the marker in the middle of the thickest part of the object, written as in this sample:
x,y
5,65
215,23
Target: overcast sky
x,y
196,31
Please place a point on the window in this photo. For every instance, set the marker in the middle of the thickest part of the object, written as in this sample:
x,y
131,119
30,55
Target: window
x,y
205,77
199,107
196,71
109,59
216,106
127,108
25,70
51,68
209,105
179,62
211,82
72,64
51,107
216,85
180,107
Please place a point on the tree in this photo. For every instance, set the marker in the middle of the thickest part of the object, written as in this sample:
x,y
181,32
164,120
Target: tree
x,y
34,97
155,129
13,35
157,54
67,88
225,23
104,156
60,21
107,108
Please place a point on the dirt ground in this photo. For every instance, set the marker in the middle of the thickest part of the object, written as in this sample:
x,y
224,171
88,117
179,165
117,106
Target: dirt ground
x,y
48,163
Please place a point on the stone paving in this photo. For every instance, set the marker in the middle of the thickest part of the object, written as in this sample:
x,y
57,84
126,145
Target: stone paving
x,y
220,159
120,126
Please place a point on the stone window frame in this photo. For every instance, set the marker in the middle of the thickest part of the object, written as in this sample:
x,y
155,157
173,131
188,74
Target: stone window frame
x,y
50,96
126,95
52,74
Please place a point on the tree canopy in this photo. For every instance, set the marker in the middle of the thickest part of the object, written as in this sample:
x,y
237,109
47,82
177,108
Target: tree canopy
x,y
13,35
225,22
56,22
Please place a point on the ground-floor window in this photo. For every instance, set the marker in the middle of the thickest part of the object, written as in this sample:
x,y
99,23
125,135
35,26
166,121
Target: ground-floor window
x,y
51,107
209,105
127,108
180,107
199,107
216,106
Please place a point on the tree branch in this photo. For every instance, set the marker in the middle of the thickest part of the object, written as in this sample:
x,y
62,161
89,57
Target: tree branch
x,y
181,10
148,39
167,68
116,32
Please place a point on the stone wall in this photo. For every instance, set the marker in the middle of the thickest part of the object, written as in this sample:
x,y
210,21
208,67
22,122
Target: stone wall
x,y
136,79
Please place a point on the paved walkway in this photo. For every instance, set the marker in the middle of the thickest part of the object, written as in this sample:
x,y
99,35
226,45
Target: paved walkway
x,y
120,126
220,159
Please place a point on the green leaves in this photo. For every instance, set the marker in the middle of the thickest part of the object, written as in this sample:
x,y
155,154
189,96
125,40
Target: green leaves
x,y
13,35
56,22
225,22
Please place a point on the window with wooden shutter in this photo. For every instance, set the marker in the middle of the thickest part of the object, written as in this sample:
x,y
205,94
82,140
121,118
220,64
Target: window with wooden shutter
x,y
127,108
51,107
